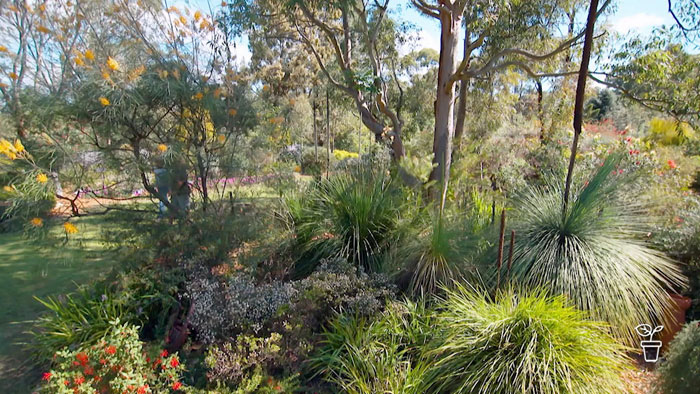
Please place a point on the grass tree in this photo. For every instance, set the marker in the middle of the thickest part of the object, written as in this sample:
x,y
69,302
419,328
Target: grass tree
x,y
595,253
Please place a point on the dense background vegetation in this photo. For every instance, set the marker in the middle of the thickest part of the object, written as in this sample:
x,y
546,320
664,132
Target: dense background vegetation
x,y
366,215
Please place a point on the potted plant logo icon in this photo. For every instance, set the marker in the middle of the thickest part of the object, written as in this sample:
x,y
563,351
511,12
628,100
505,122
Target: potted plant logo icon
x,y
651,348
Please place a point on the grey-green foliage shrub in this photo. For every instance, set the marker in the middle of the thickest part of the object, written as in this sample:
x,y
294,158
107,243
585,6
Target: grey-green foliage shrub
x,y
680,373
682,242
595,251
220,309
467,343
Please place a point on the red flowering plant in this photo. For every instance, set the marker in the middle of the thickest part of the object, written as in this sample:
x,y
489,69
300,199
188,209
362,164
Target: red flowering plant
x,y
117,364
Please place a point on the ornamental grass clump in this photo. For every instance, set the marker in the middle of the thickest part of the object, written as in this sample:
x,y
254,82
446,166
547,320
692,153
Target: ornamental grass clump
x,y
595,251
529,343
350,215
466,342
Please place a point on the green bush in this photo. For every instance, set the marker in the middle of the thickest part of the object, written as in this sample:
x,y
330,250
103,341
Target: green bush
x,y
79,319
680,373
438,251
531,343
594,252
117,363
467,343
363,355
351,216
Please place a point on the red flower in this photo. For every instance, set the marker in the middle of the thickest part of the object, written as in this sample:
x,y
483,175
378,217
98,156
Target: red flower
x,y
111,350
177,385
66,382
103,361
82,357
88,371
278,388
174,362
143,389
164,353
671,164
79,380
46,376
76,363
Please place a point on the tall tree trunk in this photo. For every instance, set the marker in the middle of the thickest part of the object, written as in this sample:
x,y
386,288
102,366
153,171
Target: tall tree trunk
x,y
328,136
315,132
462,105
580,95
540,109
445,101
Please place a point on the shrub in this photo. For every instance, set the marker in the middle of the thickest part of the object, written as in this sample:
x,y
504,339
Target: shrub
x,y
360,355
467,343
681,240
78,319
118,363
594,252
220,309
680,373
348,216
241,361
438,252
530,343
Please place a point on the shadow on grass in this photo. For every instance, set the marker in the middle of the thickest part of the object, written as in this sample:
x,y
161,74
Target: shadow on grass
x,y
29,268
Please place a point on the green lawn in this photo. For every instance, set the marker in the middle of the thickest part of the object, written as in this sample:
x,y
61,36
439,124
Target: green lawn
x,y
31,268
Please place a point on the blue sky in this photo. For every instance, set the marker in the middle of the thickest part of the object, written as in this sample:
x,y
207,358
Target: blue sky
x,y
631,17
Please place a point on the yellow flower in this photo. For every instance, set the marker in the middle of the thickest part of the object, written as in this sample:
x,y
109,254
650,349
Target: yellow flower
x,y
197,15
183,20
18,146
232,112
105,76
79,61
37,222
198,96
42,7
162,148
266,88
3,85
104,101
43,29
8,189
89,55
222,138
223,4
3,48
112,64
13,75
70,228
42,178
163,74
204,24
176,74
297,169
292,101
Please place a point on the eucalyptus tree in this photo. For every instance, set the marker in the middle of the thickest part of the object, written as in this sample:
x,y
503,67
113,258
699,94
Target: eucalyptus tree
x,y
354,43
499,35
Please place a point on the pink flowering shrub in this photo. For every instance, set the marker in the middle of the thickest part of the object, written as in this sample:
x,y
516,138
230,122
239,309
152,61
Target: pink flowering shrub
x,y
116,364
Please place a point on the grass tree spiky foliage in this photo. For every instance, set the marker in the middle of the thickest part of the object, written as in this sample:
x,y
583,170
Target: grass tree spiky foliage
x,y
439,251
349,215
594,252
528,343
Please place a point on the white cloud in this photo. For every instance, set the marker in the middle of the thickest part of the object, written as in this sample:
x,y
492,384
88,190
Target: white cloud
x,y
637,22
